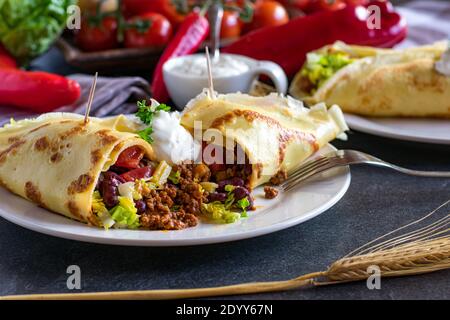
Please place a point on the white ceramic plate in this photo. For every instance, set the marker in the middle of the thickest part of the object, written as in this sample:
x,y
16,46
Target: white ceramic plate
x,y
286,210
420,130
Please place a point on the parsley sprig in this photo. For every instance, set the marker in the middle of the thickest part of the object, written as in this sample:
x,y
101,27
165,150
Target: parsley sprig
x,y
146,114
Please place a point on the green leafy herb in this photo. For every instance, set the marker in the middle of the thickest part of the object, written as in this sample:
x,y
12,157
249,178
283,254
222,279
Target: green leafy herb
x,y
146,134
146,113
174,177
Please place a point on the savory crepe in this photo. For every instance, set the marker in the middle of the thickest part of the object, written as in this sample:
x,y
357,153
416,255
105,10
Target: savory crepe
x,y
376,82
274,133
106,173
56,160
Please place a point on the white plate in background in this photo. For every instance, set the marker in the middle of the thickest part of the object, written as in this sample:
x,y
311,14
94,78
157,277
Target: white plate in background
x,y
435,131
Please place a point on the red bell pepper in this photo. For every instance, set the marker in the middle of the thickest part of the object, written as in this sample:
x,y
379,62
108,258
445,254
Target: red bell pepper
x,y
288,44
36,91
191,33
130,158
6,60
137,174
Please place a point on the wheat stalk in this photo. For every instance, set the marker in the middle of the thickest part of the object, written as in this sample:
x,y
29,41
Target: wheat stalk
x,y
425,248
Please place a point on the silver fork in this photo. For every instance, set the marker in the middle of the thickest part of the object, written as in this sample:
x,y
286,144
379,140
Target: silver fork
x,y
346,157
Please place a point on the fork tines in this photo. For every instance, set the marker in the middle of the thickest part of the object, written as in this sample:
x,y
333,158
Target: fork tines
x,y
306,171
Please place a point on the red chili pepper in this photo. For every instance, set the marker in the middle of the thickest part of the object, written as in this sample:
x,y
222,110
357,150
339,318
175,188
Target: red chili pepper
x,y
36,91
6,60
191,33
288,44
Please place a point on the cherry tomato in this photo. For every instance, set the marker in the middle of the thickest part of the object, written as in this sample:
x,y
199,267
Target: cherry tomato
x,y
132,8
268,13
136,174
231,25
130,158
327,5
92,37
156,35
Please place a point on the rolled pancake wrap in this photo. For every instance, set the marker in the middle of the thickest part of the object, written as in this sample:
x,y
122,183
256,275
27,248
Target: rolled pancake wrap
x,y
56,159
276,133
385,82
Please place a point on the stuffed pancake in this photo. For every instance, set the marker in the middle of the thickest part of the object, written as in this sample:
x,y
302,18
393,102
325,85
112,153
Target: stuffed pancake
x,y
376,82
264,138
56,160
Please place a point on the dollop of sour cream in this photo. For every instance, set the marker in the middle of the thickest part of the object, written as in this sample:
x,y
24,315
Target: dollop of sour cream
x,y
226,65
443,65
171,141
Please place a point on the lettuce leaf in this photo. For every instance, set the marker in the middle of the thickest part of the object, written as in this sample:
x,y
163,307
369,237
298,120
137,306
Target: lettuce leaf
x,y
125,214
320,67
29,28
218,213
99,208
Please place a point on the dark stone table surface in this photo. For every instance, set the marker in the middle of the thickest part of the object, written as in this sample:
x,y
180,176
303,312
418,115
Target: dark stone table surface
x,y
377,201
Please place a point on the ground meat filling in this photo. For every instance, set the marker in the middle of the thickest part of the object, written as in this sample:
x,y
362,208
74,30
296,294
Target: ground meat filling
x,y
238,169
177,205
279,177
270,192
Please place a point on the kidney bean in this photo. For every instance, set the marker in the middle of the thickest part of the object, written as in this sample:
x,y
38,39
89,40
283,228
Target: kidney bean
x,y
237,182
109,188
217,196
250,200
240,193
140,206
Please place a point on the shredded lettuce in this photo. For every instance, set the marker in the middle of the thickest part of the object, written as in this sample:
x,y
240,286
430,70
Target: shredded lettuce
x,y
125,214
129,190
230,197
209,186
174,177
243,204
320,67
99,208
161,174
217,212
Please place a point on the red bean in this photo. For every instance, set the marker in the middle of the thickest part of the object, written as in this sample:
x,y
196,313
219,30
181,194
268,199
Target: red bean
x,y
217,196
237,182
109,188
240,193
140,206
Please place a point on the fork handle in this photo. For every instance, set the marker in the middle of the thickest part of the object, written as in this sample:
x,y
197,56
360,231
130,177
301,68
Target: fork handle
x,y
431,174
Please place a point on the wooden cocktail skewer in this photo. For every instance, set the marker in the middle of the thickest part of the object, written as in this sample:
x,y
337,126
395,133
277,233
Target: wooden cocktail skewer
x,y
90,99
210,78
